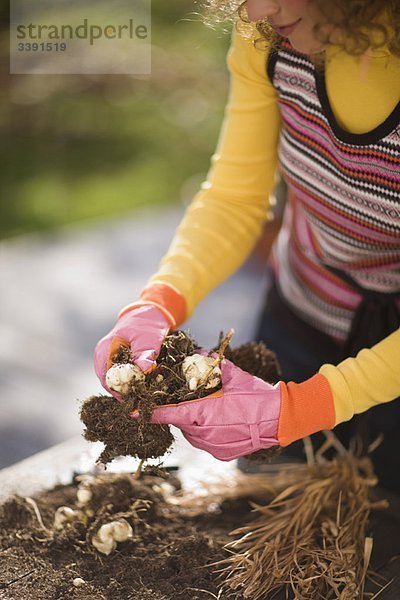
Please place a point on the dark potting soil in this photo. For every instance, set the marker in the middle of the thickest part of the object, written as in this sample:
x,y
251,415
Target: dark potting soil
x,y
109,421
168,558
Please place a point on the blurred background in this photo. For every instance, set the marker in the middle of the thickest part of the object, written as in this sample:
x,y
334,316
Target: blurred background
x,y
78,147
95,174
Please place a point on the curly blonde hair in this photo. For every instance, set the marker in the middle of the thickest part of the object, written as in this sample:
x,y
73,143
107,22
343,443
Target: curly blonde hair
x,y
359,22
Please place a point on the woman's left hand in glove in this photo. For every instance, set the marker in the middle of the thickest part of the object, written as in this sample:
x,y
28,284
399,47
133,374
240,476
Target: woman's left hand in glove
x,y
248,414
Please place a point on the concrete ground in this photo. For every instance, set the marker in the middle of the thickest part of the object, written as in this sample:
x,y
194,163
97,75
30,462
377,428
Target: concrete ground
x,y
60,293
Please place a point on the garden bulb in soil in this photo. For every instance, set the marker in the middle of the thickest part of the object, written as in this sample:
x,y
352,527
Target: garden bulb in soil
x,y
105,540
165,489
83,496
199,370
120,377
64,515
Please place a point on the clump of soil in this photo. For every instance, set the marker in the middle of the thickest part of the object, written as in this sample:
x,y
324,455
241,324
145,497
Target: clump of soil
x,y
110,422
168,558
257,359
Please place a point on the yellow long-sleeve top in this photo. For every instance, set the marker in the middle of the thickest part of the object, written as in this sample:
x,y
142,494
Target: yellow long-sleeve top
x,y
225,218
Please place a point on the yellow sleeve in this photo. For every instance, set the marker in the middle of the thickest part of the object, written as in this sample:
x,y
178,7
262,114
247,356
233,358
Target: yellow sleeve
x,y
225,218
372,378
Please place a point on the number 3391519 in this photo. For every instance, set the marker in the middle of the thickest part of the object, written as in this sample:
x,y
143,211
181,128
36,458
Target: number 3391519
x,y
42,47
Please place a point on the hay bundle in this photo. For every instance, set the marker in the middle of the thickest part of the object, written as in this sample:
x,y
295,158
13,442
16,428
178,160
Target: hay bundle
x,y
310,539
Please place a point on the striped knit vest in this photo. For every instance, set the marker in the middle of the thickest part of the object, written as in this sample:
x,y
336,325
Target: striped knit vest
x,y
343,208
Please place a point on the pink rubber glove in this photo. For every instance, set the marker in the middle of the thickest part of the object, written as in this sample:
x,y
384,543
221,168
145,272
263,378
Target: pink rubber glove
x,y
249,414
142,327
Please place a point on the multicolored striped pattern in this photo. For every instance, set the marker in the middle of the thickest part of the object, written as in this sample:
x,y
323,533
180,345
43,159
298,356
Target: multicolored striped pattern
x,y
344,200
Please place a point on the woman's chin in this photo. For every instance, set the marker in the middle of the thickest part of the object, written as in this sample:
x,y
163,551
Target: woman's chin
x,y
307,41
305,46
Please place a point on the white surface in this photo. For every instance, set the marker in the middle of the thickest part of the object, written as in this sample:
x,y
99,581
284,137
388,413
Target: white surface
x,y
58,464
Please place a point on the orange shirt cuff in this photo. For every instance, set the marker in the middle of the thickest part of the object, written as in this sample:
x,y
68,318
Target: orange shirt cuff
x,y
166,298
306,408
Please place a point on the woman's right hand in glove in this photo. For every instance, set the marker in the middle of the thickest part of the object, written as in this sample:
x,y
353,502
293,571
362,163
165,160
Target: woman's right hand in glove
x,y
141,327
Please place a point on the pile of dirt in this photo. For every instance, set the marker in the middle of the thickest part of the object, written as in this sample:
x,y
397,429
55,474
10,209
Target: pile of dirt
x,y
110,422
167,558
308,538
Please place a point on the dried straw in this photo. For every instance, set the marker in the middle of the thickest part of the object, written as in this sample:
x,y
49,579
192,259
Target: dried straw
x,y
310,540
